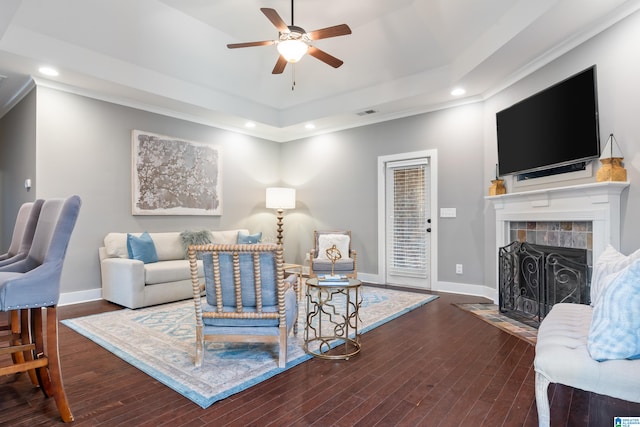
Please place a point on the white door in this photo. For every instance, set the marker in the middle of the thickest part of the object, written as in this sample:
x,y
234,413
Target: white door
x,y
408,223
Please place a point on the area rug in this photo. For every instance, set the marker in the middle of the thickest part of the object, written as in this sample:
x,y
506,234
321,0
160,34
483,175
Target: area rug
x,y
160,341
490,314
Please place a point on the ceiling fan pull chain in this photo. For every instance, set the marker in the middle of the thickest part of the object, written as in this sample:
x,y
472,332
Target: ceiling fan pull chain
x,y
293,77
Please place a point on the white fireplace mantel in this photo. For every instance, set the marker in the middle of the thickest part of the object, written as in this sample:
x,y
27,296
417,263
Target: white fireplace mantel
x,y
597,202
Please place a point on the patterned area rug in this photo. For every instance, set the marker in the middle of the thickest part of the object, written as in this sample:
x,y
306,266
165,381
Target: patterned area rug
x,y
489,313
160,341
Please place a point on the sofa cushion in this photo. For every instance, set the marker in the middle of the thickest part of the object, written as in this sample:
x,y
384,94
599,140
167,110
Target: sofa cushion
x,y
246,238
226,237
169,271
142,248
168,244
115,245
609,262
326,241
190,237
616,320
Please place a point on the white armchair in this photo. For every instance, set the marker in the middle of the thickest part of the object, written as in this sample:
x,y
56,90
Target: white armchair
x,y
319,263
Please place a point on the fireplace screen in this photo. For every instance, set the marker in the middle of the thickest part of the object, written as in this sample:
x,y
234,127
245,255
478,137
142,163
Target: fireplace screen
x,y
532,278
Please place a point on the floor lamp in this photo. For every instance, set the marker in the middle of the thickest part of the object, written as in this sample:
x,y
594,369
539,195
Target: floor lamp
x,y
280,198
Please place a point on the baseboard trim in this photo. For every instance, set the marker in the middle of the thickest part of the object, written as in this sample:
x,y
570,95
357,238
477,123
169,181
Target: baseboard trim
x,y
467,289
68,298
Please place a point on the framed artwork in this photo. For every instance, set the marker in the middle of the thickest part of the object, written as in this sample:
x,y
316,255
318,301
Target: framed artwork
x,y
171,176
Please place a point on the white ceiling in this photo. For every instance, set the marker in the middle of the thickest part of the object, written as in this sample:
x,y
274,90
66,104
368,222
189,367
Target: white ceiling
x,y
403,57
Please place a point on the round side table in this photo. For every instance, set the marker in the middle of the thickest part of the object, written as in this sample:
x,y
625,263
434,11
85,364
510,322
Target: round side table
x,y
331,324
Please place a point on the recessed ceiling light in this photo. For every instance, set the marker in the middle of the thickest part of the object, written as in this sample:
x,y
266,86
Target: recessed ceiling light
x,y
250,125
458,91
48,71
309,126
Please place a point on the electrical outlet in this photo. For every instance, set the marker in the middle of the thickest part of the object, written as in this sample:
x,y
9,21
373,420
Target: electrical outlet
x,y
458,268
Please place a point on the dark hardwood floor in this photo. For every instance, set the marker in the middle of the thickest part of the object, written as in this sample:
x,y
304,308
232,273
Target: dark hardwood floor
x,y
435,366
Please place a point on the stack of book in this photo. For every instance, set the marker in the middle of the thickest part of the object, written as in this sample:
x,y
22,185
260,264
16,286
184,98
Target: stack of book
x,y
336,279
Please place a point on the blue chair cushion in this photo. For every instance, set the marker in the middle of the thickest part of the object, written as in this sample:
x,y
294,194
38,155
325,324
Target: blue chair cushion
x,y
247,285
233,326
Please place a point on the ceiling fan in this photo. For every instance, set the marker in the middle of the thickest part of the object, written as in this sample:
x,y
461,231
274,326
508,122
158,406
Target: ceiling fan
x,y
293,42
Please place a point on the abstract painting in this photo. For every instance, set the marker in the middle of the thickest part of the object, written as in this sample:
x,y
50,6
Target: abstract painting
x,y
171,176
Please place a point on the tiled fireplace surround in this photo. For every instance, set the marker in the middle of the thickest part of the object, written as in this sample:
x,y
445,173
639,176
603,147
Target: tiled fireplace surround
x,y
583,216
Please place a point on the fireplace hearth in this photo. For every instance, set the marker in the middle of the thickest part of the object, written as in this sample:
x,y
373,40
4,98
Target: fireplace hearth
x,y
532,278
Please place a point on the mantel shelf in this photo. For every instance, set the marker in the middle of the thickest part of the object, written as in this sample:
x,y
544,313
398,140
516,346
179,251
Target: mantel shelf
x,y
606,187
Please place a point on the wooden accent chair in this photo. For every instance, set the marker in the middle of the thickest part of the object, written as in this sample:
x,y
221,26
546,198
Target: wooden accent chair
x,y
23,230
244,297
320,264
31,287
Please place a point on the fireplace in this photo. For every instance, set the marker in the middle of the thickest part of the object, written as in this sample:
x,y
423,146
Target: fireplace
x,y
532,278
595,206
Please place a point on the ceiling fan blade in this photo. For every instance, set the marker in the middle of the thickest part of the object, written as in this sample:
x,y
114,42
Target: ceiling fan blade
x,y
250,44
324,57
275,19
325,33
280,64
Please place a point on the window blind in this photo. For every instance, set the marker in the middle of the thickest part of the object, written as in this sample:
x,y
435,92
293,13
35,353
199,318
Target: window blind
x,y
408,222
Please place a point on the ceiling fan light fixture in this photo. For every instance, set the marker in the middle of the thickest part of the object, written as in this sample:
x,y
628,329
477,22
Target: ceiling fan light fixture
x,y
292,50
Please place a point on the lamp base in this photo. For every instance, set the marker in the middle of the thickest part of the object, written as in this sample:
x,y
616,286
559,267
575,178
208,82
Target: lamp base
x,y
497,187
611,170
280,223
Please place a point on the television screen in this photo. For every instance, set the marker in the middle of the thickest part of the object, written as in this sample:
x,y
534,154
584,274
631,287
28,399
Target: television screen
x,y
557,126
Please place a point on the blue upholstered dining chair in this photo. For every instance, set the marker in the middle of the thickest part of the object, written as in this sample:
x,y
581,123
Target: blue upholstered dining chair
x,y
244,297
23,230
31,286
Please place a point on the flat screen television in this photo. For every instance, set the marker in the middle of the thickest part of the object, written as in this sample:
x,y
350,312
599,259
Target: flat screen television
x,y
555,127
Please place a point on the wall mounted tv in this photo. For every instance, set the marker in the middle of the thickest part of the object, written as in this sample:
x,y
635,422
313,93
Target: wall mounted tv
x,y
555,127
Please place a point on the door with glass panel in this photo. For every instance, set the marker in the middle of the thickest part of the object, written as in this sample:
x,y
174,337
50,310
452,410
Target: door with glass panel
x,y
408,223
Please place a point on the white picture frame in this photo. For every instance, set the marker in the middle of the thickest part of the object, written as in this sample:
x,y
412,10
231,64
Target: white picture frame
x,y
171,176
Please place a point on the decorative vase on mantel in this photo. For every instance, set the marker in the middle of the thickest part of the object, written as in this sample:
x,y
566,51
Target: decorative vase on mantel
x,y
497,187
611,159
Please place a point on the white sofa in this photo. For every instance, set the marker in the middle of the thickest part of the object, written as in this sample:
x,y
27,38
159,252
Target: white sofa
x,y
133,284
562,357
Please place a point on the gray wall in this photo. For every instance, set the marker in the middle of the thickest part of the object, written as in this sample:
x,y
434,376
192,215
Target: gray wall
x,y
17,163
615,53
336,178
84,148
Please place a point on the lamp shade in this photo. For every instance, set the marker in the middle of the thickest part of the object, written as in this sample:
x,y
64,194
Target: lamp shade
x,y
611,150
281,198
292,50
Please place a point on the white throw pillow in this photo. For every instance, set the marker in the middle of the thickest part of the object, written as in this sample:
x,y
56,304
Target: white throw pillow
x,y
326,241
610,261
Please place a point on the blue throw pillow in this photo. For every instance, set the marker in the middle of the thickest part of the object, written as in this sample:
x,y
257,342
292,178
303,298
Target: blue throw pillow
x,y
244,238
142,248
616,318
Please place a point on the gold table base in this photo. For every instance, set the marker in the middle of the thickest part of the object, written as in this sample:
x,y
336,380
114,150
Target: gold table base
x,y
331,330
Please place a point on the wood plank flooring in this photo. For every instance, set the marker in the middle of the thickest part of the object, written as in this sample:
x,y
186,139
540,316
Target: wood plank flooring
x,y
435,366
